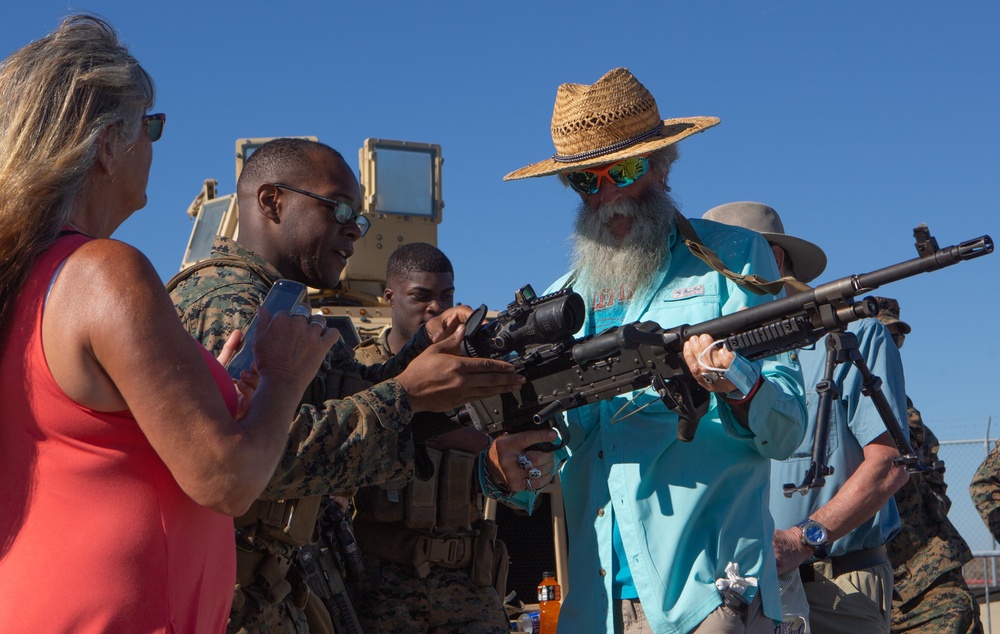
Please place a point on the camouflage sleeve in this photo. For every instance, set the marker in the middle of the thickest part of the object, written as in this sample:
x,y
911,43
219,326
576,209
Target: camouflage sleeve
x,y
335,443
341,444
211,305
985,490
926,446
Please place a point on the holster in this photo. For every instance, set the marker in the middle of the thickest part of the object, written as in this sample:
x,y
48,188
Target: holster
x,y
263,570
288,521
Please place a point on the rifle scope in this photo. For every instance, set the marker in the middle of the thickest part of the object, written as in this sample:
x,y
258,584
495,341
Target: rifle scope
x,y
529,320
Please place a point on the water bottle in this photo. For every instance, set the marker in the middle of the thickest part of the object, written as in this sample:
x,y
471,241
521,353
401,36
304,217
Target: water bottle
x,y
549,597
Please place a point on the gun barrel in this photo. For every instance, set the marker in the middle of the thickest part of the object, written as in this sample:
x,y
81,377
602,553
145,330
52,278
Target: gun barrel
x,y
835,293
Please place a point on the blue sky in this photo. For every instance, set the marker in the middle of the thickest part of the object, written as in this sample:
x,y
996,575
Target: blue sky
x,y
855,120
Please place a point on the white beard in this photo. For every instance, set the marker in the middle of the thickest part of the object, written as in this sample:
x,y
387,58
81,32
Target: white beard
x,y
602,261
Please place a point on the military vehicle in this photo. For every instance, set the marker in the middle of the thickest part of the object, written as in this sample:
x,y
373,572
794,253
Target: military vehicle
x,y
401,192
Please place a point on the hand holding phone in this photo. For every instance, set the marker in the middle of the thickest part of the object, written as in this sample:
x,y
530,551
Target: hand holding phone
x,y
283,296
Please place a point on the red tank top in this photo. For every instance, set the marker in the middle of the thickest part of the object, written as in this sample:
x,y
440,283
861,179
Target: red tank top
x,y
95,533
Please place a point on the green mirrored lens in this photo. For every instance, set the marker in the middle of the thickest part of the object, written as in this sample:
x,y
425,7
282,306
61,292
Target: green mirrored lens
x,y
628,171
584,182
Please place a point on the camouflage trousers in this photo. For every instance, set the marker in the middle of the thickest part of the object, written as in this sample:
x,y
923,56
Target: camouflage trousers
x,y
392,599
947,607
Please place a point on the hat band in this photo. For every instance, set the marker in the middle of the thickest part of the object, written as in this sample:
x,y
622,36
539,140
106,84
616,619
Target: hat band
x,y
621,145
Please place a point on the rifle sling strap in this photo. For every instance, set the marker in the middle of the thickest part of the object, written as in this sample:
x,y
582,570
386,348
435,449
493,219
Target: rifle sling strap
x,y
753,283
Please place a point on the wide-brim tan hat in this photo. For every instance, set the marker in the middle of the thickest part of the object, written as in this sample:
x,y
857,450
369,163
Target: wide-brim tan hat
x,y
613,119
808,260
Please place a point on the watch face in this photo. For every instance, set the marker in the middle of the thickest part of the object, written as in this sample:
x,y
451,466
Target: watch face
x,y
814,534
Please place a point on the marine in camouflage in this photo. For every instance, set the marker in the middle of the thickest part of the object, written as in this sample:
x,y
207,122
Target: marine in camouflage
x,y
947,607
985,490
930,594
351,430
393,598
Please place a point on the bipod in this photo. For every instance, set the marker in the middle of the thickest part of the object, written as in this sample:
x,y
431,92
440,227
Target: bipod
x,y
842,347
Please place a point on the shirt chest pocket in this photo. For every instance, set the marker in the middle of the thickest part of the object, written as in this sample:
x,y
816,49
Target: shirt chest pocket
x,y
688,304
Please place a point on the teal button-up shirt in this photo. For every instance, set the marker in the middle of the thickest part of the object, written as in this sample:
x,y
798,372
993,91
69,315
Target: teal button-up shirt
x,y
684,510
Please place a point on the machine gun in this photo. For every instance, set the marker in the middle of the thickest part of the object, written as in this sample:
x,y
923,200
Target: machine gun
x,y
564,373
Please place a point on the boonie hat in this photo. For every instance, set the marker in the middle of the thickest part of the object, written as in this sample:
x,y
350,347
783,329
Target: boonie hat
x,y
808,260
611,120
888,314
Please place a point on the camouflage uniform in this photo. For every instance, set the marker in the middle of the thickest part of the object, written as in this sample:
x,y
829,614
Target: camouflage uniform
x,y
346,434
930,595
413,595
985,490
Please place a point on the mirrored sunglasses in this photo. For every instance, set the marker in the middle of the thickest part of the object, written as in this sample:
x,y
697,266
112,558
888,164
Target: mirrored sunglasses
x,y
343,212
622,174
154,125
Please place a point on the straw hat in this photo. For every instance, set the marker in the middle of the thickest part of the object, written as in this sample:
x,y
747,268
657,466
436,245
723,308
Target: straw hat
x,y
611,120
888,314
808,260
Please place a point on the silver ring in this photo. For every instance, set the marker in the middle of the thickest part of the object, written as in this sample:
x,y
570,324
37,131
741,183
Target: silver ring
x,y
299,309
319,320
534,473
527,485
523,462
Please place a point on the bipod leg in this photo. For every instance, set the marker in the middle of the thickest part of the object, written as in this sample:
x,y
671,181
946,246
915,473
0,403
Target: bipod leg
x,y
872,388
837,346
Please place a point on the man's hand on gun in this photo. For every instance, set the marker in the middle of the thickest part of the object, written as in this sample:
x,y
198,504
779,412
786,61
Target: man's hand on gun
x,y
715,357
439,379
442,326
513,465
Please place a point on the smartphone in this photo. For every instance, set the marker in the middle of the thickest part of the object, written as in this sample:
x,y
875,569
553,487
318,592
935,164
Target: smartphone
x,y
283,296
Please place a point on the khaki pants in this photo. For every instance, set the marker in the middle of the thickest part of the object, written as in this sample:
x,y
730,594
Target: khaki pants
x,y
630,619
851,603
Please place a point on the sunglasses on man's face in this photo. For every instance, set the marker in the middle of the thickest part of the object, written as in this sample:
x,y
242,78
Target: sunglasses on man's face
x,y
342,212
154,125
622,174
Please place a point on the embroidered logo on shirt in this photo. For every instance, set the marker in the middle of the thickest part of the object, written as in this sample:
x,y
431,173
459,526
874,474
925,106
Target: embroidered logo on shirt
x,y
608,297
690,291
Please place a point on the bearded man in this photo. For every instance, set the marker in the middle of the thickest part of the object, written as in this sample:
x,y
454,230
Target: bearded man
x,y
665,536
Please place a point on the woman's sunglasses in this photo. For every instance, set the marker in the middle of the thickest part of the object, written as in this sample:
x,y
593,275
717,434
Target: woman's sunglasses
x,y
154,125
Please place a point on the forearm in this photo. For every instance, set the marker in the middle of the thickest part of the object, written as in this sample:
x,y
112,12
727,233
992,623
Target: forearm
x,y
239,468
861,496
339,444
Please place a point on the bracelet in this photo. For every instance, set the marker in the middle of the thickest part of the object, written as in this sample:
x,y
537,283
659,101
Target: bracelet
x,y
491,489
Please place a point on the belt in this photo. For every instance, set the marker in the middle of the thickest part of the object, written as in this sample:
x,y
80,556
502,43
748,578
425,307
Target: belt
x,y
836,566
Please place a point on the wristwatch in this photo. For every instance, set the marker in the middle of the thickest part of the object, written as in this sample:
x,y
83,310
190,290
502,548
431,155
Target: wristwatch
x,y
815,536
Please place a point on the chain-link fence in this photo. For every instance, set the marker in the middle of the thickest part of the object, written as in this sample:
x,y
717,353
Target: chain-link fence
x,y
962,458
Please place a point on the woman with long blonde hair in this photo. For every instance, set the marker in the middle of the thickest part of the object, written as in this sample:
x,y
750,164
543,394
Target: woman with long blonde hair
x,y
123,445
